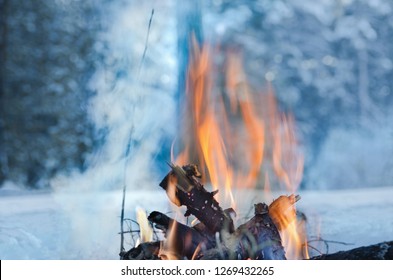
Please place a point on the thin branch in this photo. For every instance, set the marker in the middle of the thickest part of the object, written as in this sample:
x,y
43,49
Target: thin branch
x,y
122,249
146,43
314,248
129,231
330,241
326,242
128,148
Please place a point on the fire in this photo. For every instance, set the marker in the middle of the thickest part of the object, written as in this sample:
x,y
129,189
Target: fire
x,y
235,135
146,231
283,213
228,154
286,158
168,246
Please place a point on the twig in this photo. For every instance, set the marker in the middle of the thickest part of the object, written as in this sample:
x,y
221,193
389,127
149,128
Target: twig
x,y
122,249
326,242
129,231
146,43
312,247
128,148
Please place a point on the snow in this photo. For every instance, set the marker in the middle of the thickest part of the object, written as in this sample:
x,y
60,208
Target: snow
x,y
85,225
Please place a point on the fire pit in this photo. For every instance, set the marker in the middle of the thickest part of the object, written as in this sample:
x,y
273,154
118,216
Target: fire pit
x,y
214,237
227,135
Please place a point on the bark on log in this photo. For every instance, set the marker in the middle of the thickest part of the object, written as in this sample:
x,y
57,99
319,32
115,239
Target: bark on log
x,y
259,237
183,188
256,239
381,251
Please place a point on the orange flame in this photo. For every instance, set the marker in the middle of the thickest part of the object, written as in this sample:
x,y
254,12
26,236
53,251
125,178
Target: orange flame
x,y
228,133
168,247
227,154
287,160
292,230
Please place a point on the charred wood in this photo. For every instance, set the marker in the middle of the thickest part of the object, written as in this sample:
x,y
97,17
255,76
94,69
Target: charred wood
x,y
381,251
144,251
186,239
259,238
256,239
183,188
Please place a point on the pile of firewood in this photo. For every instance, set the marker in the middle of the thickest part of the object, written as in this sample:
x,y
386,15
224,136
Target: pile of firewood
x,y
215,236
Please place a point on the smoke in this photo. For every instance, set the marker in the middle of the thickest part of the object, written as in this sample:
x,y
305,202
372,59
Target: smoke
x,y
355,158
133,110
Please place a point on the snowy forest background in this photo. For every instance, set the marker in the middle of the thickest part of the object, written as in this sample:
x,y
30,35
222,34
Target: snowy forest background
x,y
73,86
330,63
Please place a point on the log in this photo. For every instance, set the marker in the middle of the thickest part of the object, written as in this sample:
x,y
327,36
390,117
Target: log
x,y
380,251
183,188
186,239
144,251
259,238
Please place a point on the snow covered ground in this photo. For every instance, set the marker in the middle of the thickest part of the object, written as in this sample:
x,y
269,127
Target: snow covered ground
x,y
61,225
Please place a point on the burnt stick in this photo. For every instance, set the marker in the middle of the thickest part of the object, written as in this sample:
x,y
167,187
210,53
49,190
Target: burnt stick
x,y
183,188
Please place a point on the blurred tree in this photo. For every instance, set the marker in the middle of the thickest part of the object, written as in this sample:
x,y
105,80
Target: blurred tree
x,y
329,61
3,36
49,59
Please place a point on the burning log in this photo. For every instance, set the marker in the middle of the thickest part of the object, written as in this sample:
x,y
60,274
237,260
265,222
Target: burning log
x,y
215,236
256,239
183,188
187,239
259,237
282,210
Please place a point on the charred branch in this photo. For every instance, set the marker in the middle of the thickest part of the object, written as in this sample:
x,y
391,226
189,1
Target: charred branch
x,y
183,188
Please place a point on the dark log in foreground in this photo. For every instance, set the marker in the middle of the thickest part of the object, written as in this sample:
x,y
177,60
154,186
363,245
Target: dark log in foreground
x,y
186,239
183,188
381,251
144,251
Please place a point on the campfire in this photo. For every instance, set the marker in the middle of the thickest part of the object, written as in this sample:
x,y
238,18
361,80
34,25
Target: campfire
x,y
232,138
